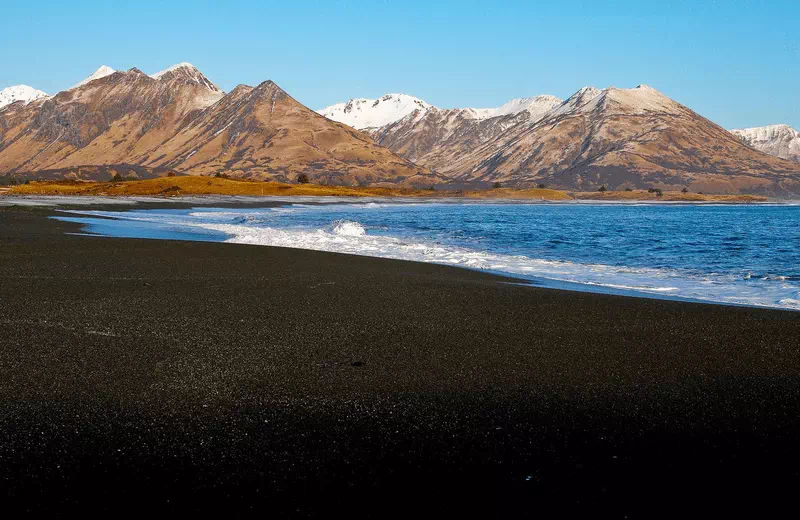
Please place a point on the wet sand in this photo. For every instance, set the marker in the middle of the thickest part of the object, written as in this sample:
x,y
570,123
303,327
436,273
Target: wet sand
x,y
165,376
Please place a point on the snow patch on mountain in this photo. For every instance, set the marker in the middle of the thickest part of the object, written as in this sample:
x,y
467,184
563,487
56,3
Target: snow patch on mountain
x,y
364,113
537,106
23,93
102,72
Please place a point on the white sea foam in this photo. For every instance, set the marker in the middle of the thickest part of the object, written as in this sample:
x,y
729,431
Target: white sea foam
x,y
349,229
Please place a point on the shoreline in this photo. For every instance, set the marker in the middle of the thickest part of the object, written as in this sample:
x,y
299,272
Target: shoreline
x,y
532,279
189,376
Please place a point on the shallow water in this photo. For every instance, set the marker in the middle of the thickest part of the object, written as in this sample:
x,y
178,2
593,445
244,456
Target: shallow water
x,y
740,254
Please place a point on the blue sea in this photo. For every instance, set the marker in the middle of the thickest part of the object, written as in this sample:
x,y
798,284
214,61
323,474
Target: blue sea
x,y
736,254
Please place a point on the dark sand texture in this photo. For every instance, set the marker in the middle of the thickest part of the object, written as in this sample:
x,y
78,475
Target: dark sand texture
x,y
161,376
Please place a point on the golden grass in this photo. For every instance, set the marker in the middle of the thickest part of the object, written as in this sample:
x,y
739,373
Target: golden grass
x,y
668,196
511,193
195,185
191,185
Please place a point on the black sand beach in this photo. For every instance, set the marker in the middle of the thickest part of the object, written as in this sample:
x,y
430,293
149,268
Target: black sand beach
x,y
158,376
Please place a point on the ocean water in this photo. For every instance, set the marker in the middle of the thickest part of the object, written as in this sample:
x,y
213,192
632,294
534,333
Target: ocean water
x,y
738,254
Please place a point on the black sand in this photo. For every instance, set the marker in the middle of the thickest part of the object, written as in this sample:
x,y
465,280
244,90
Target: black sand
x,y
166,376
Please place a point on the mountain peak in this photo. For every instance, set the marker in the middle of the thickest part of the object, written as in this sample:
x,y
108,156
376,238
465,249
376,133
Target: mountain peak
x,y
101,72
186,72
20,93
181,65
641,98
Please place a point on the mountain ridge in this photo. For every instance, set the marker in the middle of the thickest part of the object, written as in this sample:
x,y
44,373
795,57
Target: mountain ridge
x,y
179,120
368,114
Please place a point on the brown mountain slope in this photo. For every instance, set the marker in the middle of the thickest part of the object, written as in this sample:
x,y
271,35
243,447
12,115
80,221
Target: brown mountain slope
x,y
179,120
112,120
263,132
619,138
425,136
430,135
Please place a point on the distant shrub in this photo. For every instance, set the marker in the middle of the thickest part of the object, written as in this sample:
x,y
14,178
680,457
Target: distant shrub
x,y
541,186
659,193
171,174
602,189
303,178
685,190
118,177
497,185
219,175
651,190
628,189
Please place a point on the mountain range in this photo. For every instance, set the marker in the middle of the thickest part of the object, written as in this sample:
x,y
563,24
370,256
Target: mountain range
x,y
620,138
177,120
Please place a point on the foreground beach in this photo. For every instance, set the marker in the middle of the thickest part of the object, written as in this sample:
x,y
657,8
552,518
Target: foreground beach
x,y
161,375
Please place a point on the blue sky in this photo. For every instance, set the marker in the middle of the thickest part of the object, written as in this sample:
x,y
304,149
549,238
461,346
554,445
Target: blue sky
x,y
735,62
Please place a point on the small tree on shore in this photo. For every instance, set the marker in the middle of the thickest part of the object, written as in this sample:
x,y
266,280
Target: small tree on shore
x,y
497,185
541,186
602,189
685,190
303,178
659,193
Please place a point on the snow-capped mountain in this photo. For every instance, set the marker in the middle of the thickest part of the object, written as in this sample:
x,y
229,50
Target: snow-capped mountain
x,y
20,93
101,72
372,113
780,140
425,135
